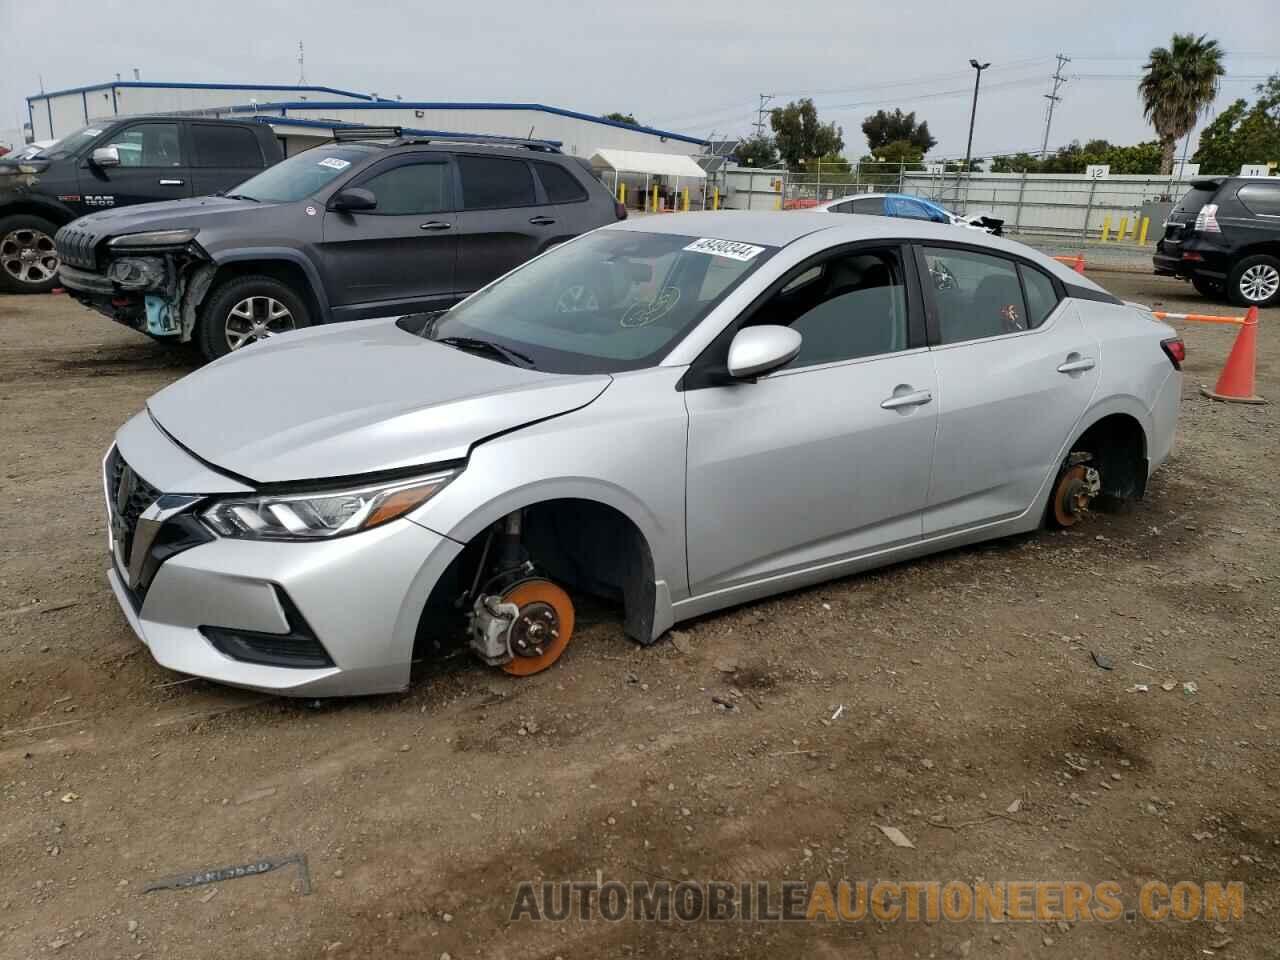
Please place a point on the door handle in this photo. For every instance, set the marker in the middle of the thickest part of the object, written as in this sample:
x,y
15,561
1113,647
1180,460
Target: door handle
x,y
914,399
172,183
542,221
435,225
1077,365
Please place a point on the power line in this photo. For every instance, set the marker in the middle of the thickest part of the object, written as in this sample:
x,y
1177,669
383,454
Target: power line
x,y
764,102
1058,81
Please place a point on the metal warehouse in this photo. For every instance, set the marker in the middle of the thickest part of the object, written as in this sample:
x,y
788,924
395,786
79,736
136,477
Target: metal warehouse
x,y
302,115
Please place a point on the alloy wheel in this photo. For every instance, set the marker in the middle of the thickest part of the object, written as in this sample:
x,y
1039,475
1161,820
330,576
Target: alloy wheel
x,y
256,318
28,255
1260,282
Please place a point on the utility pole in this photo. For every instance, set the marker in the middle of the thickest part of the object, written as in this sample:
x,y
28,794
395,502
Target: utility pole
x,y
764,102
1058,81
302,69
973,115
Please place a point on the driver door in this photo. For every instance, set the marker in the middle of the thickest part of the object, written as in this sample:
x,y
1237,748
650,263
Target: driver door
x,y
154,165
829,457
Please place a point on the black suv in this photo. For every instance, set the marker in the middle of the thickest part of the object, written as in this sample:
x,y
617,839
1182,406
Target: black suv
x,y
347,230
115,164
1224,236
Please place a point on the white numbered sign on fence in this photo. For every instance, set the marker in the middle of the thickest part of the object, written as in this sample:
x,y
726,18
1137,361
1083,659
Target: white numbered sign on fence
x,y
1097,171
934,169
1255,170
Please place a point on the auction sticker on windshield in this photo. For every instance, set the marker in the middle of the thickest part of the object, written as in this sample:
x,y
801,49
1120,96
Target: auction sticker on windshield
x,y
335,163
725,248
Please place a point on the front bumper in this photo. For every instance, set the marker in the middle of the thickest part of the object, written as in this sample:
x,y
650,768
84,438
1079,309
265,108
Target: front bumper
x,y
360,596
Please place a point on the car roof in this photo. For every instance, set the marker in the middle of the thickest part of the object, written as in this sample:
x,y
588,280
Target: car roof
x,y
775,228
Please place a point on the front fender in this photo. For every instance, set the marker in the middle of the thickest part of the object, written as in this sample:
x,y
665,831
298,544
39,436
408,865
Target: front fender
x,y
265,254
22,201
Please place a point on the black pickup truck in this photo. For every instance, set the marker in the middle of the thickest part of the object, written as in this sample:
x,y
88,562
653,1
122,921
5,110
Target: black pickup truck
x,y
124,161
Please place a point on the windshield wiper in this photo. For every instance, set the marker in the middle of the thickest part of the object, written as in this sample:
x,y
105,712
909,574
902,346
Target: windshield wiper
x,y
240,196
475,345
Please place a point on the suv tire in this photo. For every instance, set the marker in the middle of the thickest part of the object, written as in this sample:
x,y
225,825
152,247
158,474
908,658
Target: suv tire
x,y
246,309
1254,281
28,260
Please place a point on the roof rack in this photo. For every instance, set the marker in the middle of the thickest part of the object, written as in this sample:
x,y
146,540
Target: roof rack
x,y
365,133
541,146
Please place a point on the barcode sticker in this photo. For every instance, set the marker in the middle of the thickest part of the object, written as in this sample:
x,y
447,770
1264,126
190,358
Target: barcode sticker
x,y
725,248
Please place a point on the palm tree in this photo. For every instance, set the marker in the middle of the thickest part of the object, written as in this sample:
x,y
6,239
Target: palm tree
x,y
1179,84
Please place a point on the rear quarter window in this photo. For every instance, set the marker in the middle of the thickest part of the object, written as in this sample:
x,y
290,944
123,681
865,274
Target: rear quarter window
x,y
1261,199
560,185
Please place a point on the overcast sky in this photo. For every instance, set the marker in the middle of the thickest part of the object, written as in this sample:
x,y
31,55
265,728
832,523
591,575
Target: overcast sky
x,y
681,65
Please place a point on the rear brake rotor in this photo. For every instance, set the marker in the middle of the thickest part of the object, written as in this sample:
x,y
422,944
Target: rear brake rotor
x,y
1071,496
542,629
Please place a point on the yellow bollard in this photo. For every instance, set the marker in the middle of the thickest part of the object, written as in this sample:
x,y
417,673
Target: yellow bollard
x,y
1142,240
655,198
685,204
1124,226
622,194
715,199
1106,227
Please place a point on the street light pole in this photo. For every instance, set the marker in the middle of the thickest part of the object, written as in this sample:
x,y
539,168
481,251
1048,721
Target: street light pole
x,y
973,115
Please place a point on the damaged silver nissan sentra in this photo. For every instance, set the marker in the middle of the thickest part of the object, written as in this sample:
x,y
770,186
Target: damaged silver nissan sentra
x,y
677,414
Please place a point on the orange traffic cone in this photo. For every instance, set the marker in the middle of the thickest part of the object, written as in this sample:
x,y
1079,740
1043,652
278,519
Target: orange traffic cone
x,y
1236,383
1079,264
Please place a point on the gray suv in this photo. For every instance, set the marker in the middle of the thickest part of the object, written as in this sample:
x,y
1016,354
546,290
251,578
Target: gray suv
x,y
347,230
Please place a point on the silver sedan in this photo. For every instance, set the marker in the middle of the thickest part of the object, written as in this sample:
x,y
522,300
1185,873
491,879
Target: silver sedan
x,y
678,414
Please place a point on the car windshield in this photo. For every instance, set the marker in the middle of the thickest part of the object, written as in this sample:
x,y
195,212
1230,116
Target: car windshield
x,y
70,144
303,174
613,300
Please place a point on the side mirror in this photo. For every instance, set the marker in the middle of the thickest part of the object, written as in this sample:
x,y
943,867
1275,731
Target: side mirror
x,y
353,199
106,157
758,350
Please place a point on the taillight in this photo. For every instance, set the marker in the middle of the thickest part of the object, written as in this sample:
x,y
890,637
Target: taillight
x,y
1207,219
619,210
1175,350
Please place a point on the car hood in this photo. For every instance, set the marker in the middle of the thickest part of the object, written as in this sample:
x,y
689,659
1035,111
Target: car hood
x,y
355,398
167,215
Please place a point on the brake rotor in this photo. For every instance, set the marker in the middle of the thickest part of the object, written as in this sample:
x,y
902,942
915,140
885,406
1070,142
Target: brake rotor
x,y
1071,496
542,629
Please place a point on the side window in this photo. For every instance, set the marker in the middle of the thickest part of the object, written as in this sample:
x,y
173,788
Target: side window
x,y
219,145
975,295
873,206
410,188
490,183
1041,296
1261,198
148,145
907,209
561,185
852,305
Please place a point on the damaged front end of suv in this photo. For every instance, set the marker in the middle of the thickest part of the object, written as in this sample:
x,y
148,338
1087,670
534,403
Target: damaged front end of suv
x,y
152,281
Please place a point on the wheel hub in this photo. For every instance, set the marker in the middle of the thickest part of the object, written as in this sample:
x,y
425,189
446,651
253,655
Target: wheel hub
x,y
535,627
1075,490
28,255
256,318
1259,282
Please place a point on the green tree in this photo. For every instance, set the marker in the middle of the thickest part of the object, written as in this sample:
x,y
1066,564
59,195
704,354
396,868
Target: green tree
x,y
622,118
758,152
1179,84
800,135
886,165
883,128
1018,163
1242,134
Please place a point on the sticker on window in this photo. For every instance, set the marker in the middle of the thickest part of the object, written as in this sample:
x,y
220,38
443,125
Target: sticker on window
x,y
90,132
335,163
725,248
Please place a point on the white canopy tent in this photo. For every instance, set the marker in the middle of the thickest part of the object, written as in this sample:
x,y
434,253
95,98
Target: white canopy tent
x,y
669,165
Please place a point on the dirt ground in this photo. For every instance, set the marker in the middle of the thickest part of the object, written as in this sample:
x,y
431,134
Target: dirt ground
x,y
967,682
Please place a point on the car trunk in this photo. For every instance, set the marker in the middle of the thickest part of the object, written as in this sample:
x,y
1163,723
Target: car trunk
x,y
1183,217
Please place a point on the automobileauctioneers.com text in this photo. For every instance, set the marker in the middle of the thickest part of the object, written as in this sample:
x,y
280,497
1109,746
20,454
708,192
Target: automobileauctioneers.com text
x,y
885,901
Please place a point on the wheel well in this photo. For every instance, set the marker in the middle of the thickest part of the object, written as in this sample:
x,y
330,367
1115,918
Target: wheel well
x,y
1270,248
283,270
1118,446
584,545
54,216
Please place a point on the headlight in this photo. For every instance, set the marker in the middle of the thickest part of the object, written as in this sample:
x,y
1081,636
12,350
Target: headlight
x,y
155,238
323,514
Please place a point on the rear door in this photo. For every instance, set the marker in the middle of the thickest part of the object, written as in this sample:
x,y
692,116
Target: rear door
x,y
1016,372
154,165
565,202
223,155
400,255
502,222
